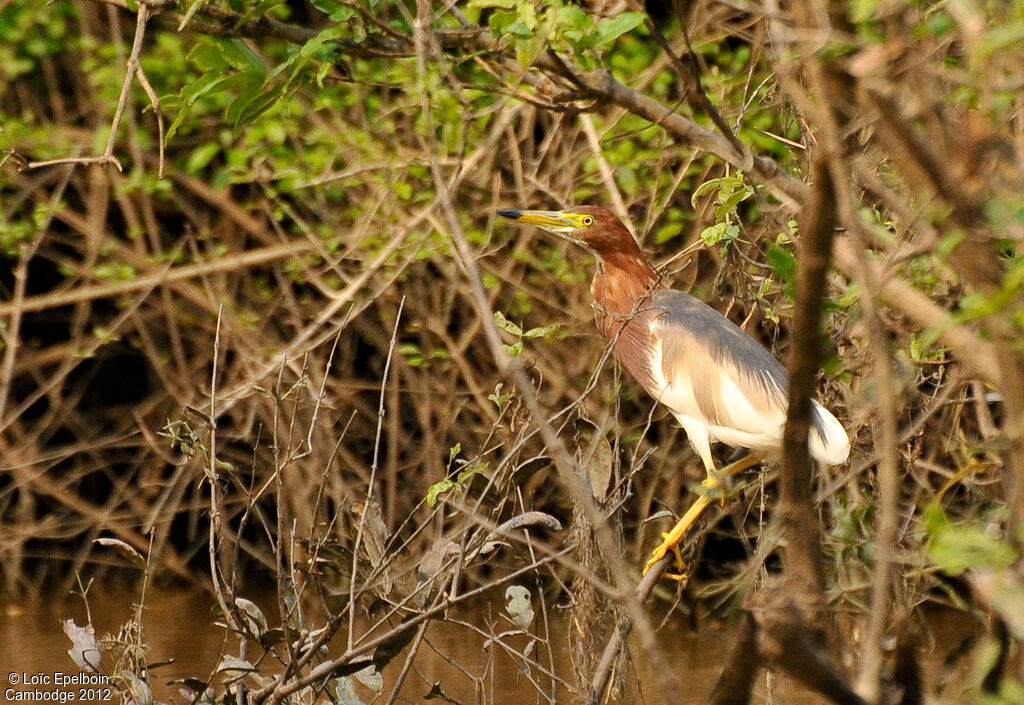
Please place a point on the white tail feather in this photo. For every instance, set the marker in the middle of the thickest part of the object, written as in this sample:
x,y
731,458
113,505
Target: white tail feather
x,y
828,442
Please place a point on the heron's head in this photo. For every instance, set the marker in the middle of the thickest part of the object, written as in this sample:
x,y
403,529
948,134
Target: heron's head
x,y
593,227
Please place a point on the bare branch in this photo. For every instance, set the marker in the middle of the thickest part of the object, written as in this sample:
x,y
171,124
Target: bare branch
x,y
132,69
796,512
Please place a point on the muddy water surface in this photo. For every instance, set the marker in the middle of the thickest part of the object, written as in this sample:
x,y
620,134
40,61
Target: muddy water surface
x,y
179,625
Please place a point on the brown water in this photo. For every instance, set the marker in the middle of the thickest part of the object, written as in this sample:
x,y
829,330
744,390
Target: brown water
x,y
179,625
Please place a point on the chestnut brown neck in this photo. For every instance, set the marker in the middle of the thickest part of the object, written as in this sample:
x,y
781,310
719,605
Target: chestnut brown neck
x,y
624,277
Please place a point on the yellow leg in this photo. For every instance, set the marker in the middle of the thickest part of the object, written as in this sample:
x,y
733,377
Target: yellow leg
x,y
673,537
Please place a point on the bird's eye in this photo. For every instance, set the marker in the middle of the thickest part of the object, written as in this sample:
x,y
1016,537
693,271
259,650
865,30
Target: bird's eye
x,y
587,220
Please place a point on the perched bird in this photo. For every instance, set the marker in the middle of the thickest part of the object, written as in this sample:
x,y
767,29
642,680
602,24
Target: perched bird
x,y
719,383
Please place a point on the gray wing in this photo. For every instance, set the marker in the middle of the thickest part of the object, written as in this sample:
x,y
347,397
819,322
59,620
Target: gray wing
x,y
703,346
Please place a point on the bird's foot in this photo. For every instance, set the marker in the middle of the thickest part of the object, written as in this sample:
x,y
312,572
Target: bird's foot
x,y
671,540
680,575
720,483
713,488
658,553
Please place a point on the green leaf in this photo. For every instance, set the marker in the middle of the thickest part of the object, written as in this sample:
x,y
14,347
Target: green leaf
x,y
718,232
307,51
437,489
528,49
728,202
783,262
572,17
402,189
326,6
542,332
261,104
467,473
206,56
666,232
250,84
514,350
610,29
412,354
500,20
201,156
956,548
454,451
519,30
239,56
498,397
191,93
261,8
499,4
724,183
506,325
528,16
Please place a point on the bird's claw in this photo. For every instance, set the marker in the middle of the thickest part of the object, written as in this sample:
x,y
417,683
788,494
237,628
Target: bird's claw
x,y
658,553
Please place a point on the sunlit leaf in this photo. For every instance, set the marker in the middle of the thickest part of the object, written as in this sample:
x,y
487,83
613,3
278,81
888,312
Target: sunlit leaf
x,y
514,350
610,29
542,331
718,232
485,4
570,16
345,692
956,548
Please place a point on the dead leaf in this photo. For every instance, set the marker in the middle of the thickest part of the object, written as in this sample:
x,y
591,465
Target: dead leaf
x,y
125,549
85,652
519,605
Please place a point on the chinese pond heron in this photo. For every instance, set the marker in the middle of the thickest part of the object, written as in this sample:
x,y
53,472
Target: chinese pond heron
x,y
720,384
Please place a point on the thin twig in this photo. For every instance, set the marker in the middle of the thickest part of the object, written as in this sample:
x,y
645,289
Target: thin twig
x,y
213,477
133,68
164,275
887,519
10,333
607,173
373,473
